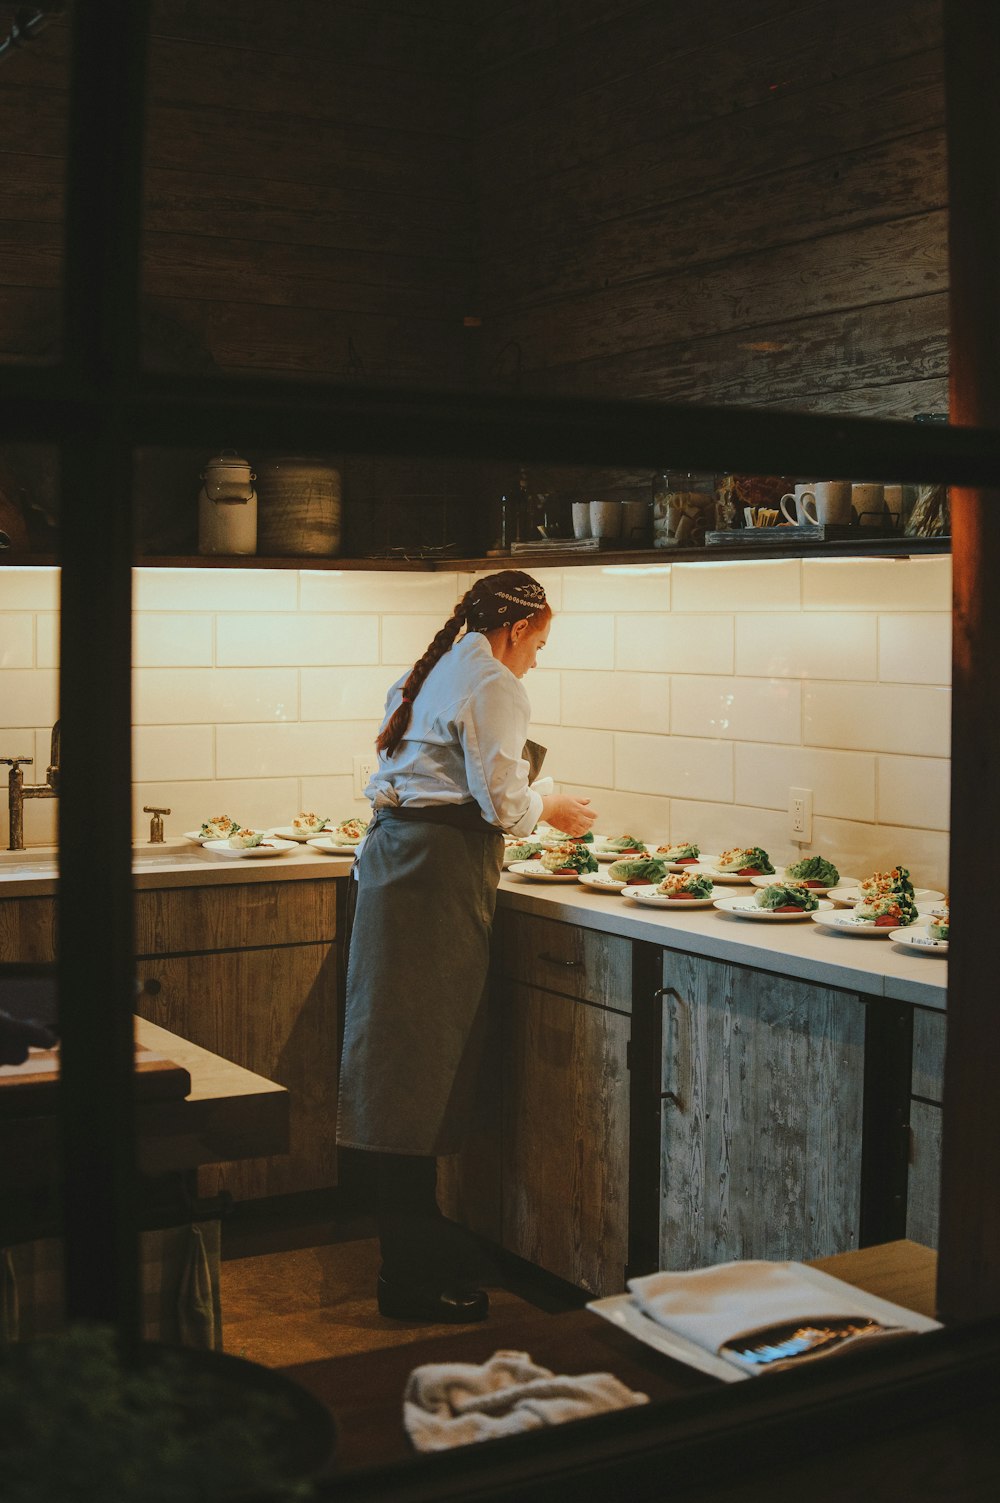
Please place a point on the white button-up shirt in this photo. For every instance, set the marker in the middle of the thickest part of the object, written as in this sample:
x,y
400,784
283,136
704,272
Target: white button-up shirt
x,y
466,734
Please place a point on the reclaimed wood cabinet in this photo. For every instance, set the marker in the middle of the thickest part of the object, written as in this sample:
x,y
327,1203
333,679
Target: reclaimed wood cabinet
x,y
249,972
926,1094
762,1110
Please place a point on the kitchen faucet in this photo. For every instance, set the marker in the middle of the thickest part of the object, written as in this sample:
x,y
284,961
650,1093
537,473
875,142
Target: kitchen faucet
x,y
18,791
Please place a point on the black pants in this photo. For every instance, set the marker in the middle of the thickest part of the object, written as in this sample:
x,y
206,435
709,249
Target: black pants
x,y
419,1245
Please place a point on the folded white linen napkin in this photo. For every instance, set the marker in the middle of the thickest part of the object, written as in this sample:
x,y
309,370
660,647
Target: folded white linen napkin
x,y
449,1404
713,1306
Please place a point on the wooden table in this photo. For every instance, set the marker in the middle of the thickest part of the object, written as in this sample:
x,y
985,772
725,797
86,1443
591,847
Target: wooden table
x,y
229,1113
365,1391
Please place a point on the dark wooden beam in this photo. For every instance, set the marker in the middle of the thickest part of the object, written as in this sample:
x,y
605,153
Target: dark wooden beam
x,y
969,1269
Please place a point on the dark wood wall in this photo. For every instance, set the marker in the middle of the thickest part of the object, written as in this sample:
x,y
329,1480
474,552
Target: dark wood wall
x,y
732,201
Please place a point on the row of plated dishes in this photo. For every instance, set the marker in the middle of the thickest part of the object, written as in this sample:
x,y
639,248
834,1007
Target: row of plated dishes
x,y
225,836
680,875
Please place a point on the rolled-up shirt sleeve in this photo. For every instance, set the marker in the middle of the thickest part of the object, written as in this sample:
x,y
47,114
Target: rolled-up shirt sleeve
x,y
493,727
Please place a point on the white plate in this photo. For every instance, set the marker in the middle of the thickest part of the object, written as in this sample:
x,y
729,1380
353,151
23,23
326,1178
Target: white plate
x,y
269,846
821,892
604,854
846,923
195,837
328,846
685,866
535,872
852,895
289,832
747,908
599,882
918,938
654,899
622,1311
729,878
935,910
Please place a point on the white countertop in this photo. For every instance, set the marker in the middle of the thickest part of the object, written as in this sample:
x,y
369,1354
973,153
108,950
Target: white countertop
x,y
876,967
178,863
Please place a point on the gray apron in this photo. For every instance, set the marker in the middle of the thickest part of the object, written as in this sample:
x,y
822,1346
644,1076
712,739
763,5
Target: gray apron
x,y
418,959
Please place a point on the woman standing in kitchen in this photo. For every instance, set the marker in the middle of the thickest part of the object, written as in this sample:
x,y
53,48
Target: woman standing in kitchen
x,y
453,774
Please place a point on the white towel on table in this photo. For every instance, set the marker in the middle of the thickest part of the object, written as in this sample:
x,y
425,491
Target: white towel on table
x,y
449,1404
711,1306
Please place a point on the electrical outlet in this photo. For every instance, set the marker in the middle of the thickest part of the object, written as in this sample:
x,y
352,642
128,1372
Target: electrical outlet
x,y
363,769
800,815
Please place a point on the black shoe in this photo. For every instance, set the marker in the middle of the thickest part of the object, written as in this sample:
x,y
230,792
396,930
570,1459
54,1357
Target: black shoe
x,y
455,1306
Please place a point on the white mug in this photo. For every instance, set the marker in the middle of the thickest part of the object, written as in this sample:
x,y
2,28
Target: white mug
x,y
794,511
606,519
831,503
869,503
581,519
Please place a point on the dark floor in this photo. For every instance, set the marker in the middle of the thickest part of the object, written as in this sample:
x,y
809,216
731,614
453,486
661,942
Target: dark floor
x,y
298,1284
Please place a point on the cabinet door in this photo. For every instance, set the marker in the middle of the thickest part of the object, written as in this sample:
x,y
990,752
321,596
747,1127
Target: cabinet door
x,y
763,1082
565,1137
273,1012
924,1178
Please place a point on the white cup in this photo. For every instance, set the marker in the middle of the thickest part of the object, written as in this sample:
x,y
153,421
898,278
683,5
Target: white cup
x,y
581,519
792,508
869,503
829,501
605,519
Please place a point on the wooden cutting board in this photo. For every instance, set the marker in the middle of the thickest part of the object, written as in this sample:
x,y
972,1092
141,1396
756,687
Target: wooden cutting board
x,y
31,1087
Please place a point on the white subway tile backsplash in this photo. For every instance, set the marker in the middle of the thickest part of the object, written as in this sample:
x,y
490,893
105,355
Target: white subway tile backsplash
x,y
674,644
618,587
214,590
544,690
407,638
346,693
616,701
717,827
882,584
174,752
171,639
911,719
333,797
858,849
914,791
743,709
576,756
24,588
842,783
674,767
915,649
271,751
207,696
365,593
47,640
737,585
814,646
580,642
17,640
300,640
29,696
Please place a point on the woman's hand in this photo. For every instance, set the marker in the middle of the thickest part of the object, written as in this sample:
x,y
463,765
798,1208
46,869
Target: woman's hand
x,y
573,815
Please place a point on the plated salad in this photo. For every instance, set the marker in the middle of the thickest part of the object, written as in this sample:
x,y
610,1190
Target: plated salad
x,y
887,899
569,859
219,827
745,861
787,897
522,850
679,851
814,871
309,824
938,925
244,840
636,869
623,843
686,885
349,830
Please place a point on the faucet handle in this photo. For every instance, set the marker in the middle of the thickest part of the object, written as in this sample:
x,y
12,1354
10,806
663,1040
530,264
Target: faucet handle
x,y
17,761
156,823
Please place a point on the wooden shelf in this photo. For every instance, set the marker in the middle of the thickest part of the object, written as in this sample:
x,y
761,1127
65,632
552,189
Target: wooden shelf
x,y
887,547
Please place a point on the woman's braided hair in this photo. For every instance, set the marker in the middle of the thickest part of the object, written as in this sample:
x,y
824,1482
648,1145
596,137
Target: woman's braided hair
x,y
495,600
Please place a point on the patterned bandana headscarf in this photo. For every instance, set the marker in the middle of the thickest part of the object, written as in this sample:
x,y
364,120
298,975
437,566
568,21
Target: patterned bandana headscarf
x,y
499,599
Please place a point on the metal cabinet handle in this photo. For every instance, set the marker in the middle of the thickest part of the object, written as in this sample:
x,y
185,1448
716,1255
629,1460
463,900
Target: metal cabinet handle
x,y
558,960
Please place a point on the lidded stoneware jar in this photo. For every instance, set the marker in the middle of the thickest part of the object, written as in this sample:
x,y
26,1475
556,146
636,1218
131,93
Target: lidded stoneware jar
x,y
300,506
227,506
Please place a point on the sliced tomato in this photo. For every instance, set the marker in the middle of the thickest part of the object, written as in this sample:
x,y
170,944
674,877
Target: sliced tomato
x,y
749,871
637,882
790,908
813,883
887,921
686,861
682,894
